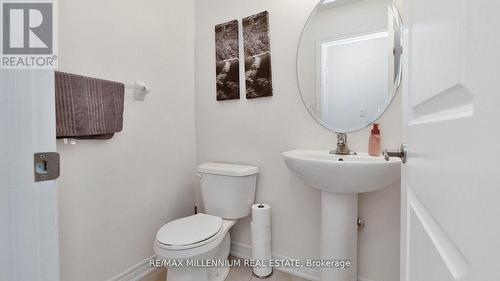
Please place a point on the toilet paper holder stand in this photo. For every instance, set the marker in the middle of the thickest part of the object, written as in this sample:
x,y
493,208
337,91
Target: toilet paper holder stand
x,y
264,277
261,206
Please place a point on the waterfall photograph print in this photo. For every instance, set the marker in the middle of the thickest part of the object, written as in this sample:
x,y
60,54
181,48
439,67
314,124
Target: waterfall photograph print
x,y
227,61
257,48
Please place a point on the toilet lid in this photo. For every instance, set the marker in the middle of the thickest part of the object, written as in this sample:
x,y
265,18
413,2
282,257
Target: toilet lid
x,y
189,230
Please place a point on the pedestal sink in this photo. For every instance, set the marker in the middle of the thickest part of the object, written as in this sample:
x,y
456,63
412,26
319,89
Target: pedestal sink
x,y
340,179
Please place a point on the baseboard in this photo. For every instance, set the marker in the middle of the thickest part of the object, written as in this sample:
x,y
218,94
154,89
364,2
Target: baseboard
x,y
240,250
136,272
364,279
244,251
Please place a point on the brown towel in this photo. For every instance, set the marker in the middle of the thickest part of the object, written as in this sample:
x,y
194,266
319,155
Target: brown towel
x,y
88,108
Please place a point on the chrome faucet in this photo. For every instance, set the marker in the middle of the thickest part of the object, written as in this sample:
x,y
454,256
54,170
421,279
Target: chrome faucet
x,y
342,147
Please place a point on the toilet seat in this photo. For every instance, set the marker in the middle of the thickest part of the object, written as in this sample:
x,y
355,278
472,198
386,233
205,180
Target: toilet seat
x,y
189,232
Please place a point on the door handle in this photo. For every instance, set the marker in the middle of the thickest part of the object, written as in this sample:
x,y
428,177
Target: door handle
x,y
402,153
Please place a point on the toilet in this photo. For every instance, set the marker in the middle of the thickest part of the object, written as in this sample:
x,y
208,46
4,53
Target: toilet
x,y
227,193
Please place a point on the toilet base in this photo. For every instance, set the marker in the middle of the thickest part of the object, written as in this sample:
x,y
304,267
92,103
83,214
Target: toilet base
x,y
198,274
220,273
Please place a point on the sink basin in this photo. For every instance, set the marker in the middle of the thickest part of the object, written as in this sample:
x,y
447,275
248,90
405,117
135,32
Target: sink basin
x,y
343,174
340,178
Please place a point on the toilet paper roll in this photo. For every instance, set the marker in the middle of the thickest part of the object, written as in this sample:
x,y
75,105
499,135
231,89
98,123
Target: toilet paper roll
x,y
262,252
261,239
261,214
260,233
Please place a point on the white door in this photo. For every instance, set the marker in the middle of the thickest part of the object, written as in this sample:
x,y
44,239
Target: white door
x,y
451,108
28,210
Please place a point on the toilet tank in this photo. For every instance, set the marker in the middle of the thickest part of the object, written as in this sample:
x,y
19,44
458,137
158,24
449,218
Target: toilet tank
x,y
228,190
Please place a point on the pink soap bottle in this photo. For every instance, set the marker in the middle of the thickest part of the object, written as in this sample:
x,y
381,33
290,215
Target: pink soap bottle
x,y
374,143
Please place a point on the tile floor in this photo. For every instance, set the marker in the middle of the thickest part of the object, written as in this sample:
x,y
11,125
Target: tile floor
x,y
236,274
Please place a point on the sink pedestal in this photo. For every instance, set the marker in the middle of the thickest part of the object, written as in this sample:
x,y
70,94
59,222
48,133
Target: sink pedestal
x,y
341,178
339,215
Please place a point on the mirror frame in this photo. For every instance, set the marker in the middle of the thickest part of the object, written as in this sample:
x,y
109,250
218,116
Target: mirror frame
x,y
324,124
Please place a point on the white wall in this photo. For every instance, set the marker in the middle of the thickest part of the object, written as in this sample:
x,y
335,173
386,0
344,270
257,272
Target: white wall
x,y
258,131
115,195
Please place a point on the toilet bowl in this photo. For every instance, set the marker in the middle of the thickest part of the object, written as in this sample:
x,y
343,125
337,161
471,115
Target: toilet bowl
x,y
212,243
193,242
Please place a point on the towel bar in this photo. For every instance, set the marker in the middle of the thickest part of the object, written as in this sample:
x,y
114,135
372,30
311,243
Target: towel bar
x,y
140,90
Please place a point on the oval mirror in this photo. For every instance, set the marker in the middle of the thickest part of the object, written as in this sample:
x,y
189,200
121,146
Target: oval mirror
x,y
349,62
